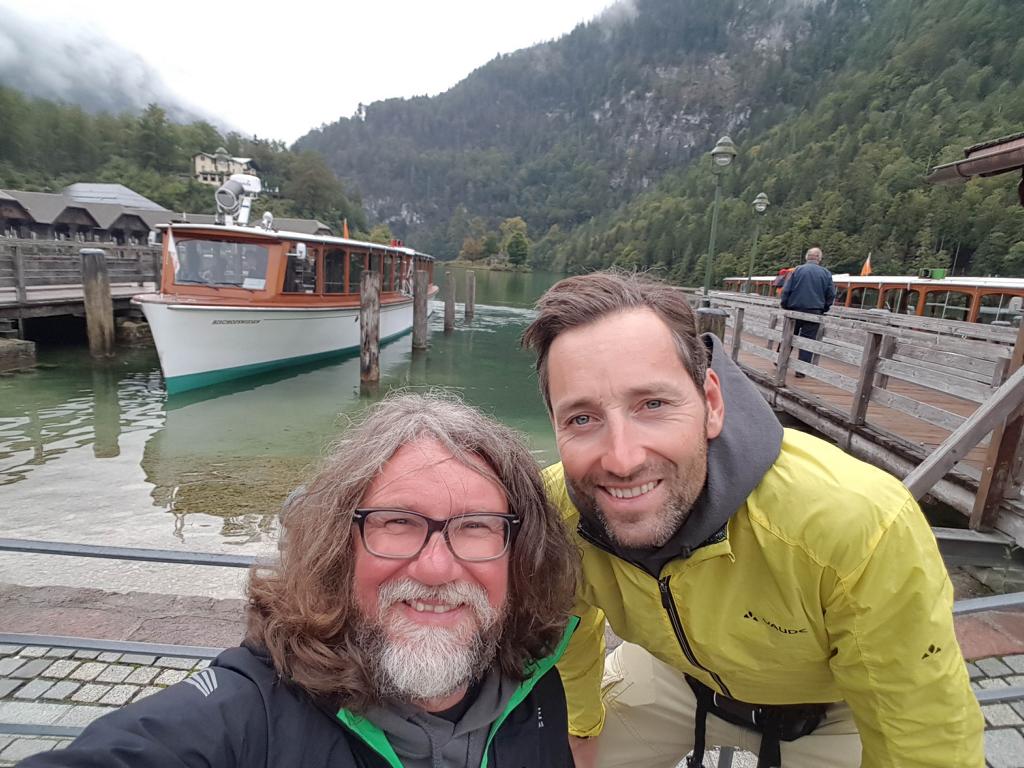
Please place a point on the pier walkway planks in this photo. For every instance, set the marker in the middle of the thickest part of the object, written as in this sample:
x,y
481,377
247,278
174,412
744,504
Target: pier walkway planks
x,y
891,389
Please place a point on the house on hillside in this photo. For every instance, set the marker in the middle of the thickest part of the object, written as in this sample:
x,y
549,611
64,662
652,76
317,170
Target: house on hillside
x,y
217,168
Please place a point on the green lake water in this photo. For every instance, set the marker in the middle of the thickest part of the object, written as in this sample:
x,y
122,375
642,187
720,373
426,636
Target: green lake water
x,y
97,451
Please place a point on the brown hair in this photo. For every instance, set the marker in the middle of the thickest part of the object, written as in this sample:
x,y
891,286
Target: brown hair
x,y
302,609
580,300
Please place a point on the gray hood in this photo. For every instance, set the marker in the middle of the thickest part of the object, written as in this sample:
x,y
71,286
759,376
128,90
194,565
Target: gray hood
x,y
423,740
738,458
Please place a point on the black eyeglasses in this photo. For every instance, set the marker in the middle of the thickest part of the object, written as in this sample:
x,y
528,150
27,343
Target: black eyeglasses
x,y
401,535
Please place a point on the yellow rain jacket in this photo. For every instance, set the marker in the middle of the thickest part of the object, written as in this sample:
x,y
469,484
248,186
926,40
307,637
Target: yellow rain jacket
x,y
825,584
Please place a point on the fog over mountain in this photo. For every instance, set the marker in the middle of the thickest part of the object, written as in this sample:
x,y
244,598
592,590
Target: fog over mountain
x,y
79,66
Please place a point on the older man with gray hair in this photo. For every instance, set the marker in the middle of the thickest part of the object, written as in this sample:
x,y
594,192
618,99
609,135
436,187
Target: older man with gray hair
x,y
809,289
414,619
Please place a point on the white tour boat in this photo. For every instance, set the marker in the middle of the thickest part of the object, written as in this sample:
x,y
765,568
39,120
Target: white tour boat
x,y
236,300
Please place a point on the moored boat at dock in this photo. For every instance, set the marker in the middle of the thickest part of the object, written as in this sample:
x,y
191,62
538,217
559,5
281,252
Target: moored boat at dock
x,y
930,294
236,300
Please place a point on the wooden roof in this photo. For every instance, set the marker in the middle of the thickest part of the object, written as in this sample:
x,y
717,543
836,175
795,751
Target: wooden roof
x,y
989,158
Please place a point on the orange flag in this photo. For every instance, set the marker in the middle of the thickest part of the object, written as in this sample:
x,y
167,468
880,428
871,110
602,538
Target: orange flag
x,y
344,228
866,269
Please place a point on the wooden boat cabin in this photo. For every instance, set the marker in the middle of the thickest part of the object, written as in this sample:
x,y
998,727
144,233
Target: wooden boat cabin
x,y
244,265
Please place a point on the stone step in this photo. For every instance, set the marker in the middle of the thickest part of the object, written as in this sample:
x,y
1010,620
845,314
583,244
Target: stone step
x,y
16,354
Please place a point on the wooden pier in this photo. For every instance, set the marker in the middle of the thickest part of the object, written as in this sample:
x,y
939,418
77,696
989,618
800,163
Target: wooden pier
x,y
43,278
913,395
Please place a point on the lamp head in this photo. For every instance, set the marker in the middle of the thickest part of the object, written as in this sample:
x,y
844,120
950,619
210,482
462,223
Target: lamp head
x,y
723,153
761,202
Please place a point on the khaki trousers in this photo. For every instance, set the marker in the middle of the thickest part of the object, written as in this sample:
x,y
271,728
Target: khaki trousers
x,y
650,714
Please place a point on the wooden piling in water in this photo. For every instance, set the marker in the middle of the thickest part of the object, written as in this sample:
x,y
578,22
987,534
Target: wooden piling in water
x,y
470,294
369,327
20,294
99,307
449,302
419,309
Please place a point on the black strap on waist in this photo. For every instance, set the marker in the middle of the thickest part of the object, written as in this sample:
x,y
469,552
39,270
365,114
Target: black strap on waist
x,y
775,722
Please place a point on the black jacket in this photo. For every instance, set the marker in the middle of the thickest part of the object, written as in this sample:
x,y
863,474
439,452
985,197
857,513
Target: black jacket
x,y
238,714
809,289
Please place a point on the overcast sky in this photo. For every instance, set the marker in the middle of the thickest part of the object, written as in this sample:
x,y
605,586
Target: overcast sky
x,y
280,69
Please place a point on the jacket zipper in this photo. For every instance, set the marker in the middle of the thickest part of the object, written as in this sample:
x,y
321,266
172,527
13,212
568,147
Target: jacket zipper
x,y
669,605
677,625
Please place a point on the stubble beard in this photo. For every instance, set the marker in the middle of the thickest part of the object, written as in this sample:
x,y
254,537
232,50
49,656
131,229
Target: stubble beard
x,y
651,530
415,662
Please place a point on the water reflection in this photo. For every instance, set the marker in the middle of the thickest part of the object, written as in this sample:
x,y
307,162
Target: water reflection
x,y
70,402
106,413
235,453
98,452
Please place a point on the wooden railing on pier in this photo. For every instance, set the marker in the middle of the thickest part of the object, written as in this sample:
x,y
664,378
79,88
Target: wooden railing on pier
x,y
913,395
30,268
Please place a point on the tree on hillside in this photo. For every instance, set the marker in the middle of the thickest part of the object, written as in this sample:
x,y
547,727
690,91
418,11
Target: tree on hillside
x,y
381,233
510,227
312,186
155,146
518,249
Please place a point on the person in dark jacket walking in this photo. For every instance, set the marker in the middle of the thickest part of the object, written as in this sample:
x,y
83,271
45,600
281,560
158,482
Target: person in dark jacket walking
x,y
809,289
413,620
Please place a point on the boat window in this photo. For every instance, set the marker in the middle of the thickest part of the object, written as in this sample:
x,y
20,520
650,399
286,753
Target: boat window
x,y
840,297
913,297
896,299
385,273
218,262
947,305
355,273
1003,307
334,271
864,298
408,272
300,271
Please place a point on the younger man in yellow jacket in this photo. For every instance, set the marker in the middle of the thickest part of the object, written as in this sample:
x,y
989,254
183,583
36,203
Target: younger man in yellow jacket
x,y
773,592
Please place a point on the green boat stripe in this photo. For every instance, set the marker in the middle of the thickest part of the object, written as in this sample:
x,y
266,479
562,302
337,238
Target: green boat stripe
x,y
176,384
375,738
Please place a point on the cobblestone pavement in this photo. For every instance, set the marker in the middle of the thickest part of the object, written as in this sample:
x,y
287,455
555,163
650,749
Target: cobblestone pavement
x,y
67,687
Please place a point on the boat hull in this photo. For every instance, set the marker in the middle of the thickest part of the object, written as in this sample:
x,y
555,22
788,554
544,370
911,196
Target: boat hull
x,y
200,345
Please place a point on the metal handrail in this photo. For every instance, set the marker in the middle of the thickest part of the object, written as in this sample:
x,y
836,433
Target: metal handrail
x,y
127,553
118,646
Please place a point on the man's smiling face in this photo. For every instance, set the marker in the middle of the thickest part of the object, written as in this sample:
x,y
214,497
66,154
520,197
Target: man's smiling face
x,y
434,617
632,427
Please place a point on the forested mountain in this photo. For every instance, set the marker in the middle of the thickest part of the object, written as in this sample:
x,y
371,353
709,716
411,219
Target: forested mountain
x,y
598,140
44,146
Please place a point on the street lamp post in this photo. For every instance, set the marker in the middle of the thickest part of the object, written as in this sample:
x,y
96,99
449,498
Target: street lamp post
x,y
722,156
760,206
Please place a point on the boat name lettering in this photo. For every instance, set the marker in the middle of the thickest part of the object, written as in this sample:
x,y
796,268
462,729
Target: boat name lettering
x,y
235,322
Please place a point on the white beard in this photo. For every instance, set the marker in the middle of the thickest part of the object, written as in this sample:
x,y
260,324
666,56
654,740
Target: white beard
x,y
419,662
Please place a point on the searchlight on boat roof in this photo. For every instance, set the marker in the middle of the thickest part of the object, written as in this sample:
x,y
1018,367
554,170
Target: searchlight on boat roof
x,y
234,198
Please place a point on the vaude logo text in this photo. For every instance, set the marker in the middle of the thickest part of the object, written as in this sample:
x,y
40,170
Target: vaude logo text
x,y
750,615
